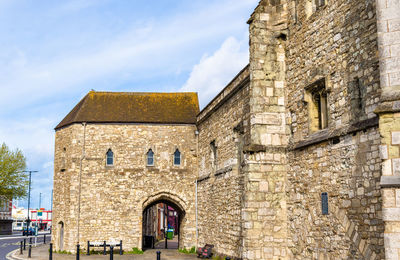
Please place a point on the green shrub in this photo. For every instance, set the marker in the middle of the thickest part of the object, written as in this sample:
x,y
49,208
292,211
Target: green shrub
x,y
192,250
186,251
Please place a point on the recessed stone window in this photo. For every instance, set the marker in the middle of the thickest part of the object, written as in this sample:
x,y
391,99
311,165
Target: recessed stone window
x,y
177,157
317,102
213,148
319,3
63,163
109,158
150,158
357,97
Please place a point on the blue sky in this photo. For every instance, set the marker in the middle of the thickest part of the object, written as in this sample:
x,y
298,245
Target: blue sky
x,y
53,52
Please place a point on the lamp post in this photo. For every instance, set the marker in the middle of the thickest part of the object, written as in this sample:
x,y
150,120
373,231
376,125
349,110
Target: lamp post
x,y
29,199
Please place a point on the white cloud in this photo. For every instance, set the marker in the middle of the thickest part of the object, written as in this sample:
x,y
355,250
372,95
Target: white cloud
x,y
47,70
34,136
158,48
49,164
212,73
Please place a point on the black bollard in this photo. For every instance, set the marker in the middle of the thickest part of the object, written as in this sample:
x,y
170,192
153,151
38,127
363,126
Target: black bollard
x,y
120,247
88,248
30,251
20,248
104,248
44,239
77,251
51,252
24,243
158,255
111,253
30,240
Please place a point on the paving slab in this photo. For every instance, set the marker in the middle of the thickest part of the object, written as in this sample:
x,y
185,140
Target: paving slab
x,y
42,253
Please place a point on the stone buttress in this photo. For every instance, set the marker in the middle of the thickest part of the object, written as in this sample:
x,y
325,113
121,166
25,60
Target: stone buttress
x,y
388,16
264,213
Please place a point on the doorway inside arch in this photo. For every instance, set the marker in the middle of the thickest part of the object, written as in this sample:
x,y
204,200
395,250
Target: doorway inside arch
x,y
161,225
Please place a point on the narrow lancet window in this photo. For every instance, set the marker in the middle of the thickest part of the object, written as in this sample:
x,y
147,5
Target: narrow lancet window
x,y
177,157
324,203
213,147
109,158
150,158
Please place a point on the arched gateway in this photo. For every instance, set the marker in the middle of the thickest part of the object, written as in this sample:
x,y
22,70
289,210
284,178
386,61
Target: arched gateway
x,y
115,158
162,211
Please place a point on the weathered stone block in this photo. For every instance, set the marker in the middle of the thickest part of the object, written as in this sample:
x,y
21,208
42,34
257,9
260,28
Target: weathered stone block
x,y
396,166
387,167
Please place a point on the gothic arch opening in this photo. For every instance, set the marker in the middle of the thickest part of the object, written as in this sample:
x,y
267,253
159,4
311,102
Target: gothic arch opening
x,y
162,219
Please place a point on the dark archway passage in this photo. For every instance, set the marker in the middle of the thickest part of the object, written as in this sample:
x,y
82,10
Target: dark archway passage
x,y
161,224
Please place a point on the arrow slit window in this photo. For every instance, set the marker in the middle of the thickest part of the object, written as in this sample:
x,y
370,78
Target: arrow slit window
x,y
324,203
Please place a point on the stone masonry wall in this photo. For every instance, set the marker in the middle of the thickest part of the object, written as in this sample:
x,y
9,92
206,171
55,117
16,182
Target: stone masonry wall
x,y
335,43
220,186
113,197
349,172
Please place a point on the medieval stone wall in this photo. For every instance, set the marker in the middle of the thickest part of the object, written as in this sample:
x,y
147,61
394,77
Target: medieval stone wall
x,y
335,43
348,171
220,184
113,197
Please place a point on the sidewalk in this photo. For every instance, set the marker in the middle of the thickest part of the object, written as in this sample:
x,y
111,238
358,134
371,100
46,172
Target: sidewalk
x,y
42,253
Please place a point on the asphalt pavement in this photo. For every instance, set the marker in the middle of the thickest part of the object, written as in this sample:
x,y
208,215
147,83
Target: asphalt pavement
x,y
12,242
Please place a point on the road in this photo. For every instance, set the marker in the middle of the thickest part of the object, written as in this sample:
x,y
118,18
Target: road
x,y
9,243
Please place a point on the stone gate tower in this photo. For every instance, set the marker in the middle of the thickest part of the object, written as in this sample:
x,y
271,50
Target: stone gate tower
x,y
100,197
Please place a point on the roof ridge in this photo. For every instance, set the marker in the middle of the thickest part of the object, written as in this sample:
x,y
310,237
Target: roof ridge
x,y
128,107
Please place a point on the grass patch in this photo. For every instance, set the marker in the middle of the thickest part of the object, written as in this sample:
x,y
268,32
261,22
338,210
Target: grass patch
x,y
217,257
63,252
101,252
186,251
135,251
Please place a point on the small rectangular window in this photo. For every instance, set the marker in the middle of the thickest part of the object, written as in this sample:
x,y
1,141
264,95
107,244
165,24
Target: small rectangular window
x,y
324,203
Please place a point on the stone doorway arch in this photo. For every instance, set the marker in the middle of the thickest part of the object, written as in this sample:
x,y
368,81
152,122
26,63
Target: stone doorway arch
x,y
171,200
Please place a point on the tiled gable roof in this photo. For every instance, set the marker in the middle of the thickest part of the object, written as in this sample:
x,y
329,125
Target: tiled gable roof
x,y
134,107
